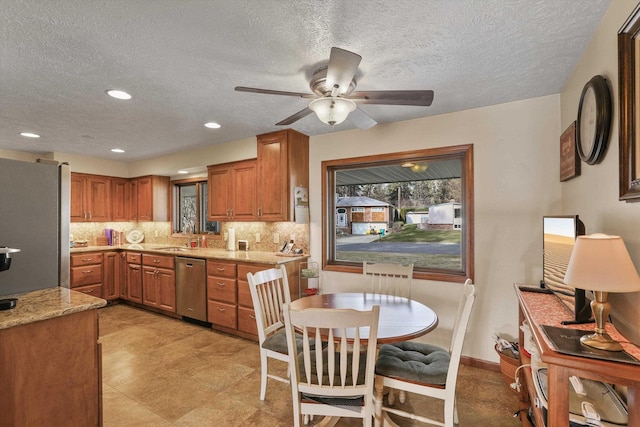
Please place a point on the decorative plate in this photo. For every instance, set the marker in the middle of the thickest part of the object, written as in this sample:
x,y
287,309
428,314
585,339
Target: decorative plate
x,y
135,235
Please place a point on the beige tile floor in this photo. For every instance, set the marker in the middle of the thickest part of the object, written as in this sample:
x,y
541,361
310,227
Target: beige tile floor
x,y
159,371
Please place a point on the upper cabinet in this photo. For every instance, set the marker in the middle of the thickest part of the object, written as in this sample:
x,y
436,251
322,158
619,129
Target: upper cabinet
x,y
152,194
232,191
283,164
96,198
90,198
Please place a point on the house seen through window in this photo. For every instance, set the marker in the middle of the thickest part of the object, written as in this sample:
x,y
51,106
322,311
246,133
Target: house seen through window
x,y
413,207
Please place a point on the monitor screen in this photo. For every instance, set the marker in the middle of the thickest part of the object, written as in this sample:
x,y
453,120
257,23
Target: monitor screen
x,y
559,237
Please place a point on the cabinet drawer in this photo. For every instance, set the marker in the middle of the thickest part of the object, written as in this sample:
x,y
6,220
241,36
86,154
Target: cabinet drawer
x,y
220,289
244,294
247,320
221,269
87,275
93,290
221,314
158,261
134,258
243,269
86,259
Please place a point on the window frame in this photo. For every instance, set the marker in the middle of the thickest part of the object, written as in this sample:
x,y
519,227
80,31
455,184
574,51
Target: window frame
x,y
175,184
462,152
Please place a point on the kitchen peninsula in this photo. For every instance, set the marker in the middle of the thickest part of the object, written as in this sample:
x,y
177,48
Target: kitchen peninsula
x,y
50,359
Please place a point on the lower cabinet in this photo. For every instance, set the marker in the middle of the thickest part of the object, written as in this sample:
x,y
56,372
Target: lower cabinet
x,y
159,282
86,273
133,276
111,275
51,372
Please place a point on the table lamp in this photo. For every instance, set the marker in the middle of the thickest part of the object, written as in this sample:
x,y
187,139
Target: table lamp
x,y
601,263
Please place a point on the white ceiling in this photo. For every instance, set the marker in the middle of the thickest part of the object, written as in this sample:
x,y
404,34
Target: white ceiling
x,y
181,60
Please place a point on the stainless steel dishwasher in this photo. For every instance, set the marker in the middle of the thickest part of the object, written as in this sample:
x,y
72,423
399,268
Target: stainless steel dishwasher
x,y
191,288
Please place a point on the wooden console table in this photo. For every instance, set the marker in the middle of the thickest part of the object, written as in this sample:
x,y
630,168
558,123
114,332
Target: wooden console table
x,y
546,309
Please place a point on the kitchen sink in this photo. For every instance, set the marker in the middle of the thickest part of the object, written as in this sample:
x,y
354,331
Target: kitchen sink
x,y
174,249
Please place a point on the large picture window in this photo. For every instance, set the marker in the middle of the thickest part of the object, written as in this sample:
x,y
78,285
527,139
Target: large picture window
x,y
404,207
190,208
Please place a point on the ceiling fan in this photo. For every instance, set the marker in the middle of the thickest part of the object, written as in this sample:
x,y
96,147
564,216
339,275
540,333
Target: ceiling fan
x,y
334,99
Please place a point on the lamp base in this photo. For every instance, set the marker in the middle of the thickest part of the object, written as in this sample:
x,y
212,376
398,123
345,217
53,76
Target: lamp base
x,y
601,342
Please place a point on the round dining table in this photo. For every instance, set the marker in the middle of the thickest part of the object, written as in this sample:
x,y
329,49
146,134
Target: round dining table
x,y
401,319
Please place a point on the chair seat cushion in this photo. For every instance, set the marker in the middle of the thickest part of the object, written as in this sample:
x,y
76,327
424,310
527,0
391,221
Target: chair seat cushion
x,y
278,342
417,362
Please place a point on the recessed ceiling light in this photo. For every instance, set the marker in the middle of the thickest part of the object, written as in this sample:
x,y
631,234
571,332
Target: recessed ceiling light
x,y
117,150
212,125
29,135
183,171
118,94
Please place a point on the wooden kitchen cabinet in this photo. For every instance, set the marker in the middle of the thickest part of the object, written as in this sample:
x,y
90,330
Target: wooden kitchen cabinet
x,y
221,294
152,198
111,275
232,191
283,164
86,273
159,282
133,281
51,372
120,197
90,198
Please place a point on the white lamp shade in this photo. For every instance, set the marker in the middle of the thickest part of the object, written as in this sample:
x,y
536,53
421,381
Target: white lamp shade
x,y
332,111
602,263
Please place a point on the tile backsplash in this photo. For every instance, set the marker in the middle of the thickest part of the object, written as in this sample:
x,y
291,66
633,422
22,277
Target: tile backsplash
x,y
160,233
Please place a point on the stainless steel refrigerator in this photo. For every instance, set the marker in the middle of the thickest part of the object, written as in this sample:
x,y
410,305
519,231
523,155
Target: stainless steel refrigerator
x,y
34,217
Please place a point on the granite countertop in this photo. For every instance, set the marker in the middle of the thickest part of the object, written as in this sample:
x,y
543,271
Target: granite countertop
x,y
46,304
259,257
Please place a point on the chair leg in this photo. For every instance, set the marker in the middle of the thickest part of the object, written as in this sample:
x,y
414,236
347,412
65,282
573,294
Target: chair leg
x,y
263,374
450,414
379,389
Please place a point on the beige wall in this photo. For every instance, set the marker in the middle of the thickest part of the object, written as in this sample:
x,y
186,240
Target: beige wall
x,y
594,194
516,169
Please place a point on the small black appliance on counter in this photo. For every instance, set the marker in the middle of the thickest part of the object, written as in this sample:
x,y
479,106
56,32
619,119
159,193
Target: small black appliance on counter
x,y
5,264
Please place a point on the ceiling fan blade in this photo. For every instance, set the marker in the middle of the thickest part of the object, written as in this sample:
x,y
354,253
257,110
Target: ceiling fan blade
x,y
274,92
361,119
393,97
342,68
294,118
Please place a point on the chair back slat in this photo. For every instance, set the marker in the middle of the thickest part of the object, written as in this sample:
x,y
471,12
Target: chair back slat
x,y
269,292
388,279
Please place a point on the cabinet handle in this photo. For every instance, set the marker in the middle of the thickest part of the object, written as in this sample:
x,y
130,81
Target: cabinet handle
x,y
220,268
90,216
87,271
84,216
221,309
222,285
87,259
251,316
88,291
156,261
259,211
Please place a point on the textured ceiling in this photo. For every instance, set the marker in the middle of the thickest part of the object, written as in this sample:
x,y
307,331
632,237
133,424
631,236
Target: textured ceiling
x,y
181,60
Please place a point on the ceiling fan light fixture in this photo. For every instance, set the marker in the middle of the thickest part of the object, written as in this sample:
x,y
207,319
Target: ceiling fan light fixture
x,y
332,111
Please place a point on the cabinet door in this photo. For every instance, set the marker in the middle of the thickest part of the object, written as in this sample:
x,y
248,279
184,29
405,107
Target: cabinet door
x,y
219,181
272,176
145,199
76,208
150,286
120,199
134,283
99,198
166,289
110,271
243,193
132,201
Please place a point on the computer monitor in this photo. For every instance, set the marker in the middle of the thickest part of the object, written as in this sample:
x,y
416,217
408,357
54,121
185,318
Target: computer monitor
x,y
559,237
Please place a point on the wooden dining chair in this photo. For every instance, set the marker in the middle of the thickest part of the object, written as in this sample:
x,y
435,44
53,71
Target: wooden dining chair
x,y
425,369
334,379
269,292
388,279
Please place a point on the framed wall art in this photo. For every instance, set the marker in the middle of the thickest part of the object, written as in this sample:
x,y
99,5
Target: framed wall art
x,y
569,160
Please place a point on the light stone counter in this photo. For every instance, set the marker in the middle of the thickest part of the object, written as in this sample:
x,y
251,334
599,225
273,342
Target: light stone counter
x,y
46,304
258,257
